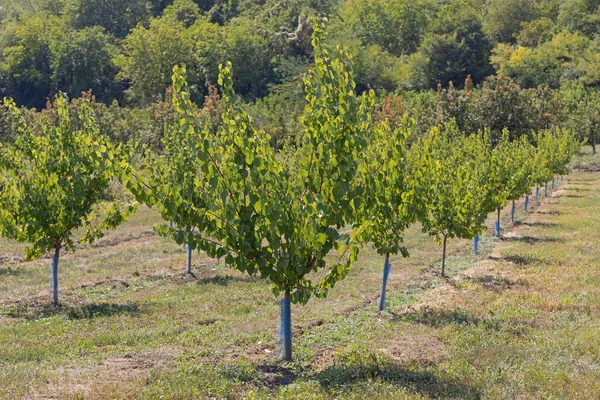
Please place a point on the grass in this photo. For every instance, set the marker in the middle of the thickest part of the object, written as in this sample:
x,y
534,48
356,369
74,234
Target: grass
x,y
518,321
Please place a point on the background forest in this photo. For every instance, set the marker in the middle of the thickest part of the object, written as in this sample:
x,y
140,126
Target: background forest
x,y
518,64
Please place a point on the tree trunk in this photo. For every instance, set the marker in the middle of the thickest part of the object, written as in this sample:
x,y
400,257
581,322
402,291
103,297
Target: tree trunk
x,y
444,257
593,141
512,212
498,224
286,326
386,273
55,275
476,244
189,250
526,202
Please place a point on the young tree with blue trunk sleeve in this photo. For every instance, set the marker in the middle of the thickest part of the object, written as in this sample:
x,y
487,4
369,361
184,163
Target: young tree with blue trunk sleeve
x,y
504,164
454,171
554,150
173,181
55,175
522,178
388,204
281,220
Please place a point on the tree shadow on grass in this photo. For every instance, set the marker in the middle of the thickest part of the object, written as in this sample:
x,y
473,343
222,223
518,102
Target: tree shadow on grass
x,y
438,318
8,271
91,311
88,311
497,283
364,366
433,317
577,190
532,239
517,259
553,212
275,375
225,280
536,224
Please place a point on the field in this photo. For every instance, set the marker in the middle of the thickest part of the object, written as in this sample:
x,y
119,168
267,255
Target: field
x,y
520,320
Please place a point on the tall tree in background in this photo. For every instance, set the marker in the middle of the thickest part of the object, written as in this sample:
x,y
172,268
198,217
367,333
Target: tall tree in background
x,y
27,61
395,26
83,60
504,17
581,112
148,56
118,17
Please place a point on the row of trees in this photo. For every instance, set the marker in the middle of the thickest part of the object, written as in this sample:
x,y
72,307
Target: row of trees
x,y
277,214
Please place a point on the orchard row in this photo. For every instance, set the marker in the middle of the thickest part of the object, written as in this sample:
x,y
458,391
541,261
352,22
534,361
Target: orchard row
x,y
277,214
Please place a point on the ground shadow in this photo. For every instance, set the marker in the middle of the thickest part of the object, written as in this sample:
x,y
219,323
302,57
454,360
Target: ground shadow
x,y
275,375
579,182
573,196
532,239
496,283
371,366
225,280
90,311
536,224
434,318
87,311
516,259
553,212
11,271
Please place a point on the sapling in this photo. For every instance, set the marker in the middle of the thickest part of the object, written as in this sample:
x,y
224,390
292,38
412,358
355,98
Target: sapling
x,y
388,204
281,219
172,180
453,170
54,181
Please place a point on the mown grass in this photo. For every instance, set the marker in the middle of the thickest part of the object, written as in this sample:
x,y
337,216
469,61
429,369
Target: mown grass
x,y
518,321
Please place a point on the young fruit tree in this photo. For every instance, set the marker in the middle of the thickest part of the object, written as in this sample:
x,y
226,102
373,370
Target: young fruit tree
x,y
453,170
172,181
388,203
279,216
553,153
542,172
502,165
513,173
55,180
522,179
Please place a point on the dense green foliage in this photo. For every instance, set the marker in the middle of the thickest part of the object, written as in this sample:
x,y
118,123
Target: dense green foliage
x,y
265,216
389,201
